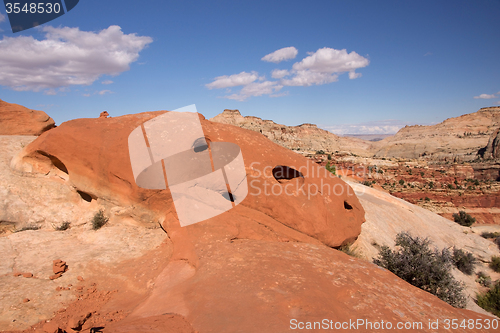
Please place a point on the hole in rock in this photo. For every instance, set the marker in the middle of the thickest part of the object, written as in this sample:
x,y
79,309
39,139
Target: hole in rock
x,y
228,196
282,172
55,161
85,196
347,206
200,144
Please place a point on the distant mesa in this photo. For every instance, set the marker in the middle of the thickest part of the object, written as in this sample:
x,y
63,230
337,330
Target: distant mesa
x,y
19,120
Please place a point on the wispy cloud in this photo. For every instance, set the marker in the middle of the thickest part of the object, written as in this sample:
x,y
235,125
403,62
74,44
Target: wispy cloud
x,y
485,96
256,89
67,56
2,17
280,55
227,81
428,54
104,92
389,126
320,67
107,82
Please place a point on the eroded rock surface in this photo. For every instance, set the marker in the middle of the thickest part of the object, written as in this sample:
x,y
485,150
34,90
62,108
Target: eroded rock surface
x,y
19,120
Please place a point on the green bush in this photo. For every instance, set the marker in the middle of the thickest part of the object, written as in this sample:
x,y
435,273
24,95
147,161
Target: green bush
x,y
497,242
99,220
367,183
490,234
331,168
483,279
401,182
320,152
495,263
427,269
490,300
464,261
464,219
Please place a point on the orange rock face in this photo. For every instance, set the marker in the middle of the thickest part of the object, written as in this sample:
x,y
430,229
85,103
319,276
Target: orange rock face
x,y
283,186
18,120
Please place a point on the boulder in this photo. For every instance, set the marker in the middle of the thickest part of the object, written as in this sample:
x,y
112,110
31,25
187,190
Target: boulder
x,y
19,120
93,155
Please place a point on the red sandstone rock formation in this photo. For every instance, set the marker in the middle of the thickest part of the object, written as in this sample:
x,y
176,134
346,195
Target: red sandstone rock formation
x,y
18,120
94,153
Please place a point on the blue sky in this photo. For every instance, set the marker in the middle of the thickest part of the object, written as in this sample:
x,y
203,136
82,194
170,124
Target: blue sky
x,y
356,66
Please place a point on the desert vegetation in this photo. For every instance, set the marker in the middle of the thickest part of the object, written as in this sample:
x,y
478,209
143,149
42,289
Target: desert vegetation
x,y
99,220
464,219
490,300
428,269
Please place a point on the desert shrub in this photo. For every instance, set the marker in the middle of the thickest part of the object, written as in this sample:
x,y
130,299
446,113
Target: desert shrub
x,y
490,300
63,226
464,261
30,226
490,234
329,157
99,220
430,270
401,182
483,279
320,152
367,183
464,219
427,199
331,168
495,263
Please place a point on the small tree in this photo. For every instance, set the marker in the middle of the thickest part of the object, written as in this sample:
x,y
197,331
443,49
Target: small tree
x,y
427,269
464,219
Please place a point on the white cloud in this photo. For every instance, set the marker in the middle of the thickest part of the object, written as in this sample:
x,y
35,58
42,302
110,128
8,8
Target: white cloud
x,y
2,17
353,75
277,56
279,73
485,96
107,82
227,81
390,126
328,61
256,89
308,78
67,56
104,92
320,67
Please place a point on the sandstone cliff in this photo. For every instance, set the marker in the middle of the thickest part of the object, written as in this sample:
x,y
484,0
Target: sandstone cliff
x,y
307,138
18,120
492,149
455,139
